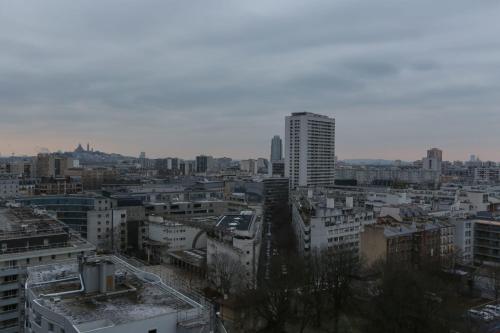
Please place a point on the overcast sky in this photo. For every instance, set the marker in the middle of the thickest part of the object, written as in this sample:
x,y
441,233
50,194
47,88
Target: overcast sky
x,y
180,78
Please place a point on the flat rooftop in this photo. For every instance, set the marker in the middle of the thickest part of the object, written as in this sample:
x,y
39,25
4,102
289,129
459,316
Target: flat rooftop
x,y
19,222
137,295
233,222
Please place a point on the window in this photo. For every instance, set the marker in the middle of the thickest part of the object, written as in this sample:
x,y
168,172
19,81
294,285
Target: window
x,y
51,327
8,308
53,257
39,258
10,278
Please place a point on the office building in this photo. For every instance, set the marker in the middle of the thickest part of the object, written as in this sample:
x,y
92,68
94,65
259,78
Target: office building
x,y
29,238
96,218
278,168
276,149
235,241
310,149
485,243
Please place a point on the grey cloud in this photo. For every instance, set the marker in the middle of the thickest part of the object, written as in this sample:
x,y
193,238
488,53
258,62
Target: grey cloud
x,y
207,71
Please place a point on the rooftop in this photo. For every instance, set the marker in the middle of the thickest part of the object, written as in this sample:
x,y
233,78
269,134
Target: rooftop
x,y
136,294
16,222
236,222
25,229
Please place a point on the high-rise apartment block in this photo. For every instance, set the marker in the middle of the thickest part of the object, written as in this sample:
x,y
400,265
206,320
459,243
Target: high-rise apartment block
x,y
310,149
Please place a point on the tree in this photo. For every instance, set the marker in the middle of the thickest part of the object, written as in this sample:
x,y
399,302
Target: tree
x,y
273,299
328,285
411,300
226,274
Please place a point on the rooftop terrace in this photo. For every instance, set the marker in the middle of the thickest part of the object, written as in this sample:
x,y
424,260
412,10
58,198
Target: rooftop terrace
x,y
136,295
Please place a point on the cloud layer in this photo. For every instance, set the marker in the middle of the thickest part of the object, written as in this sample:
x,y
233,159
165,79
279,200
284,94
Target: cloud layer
x,y
178,78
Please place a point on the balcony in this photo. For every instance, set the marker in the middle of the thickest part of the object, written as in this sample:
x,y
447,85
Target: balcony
x,y
13,328
9,271
9,315
8,300
9,286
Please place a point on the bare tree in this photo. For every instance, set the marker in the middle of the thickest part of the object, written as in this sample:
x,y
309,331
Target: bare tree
x,y
226,274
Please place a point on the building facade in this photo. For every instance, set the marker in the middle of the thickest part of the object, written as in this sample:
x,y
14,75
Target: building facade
x,y
321,222
310,149
107,295
29,238
9,187
486,241
276,149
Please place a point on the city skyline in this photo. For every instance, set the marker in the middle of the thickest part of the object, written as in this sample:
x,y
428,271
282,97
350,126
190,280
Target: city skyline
x,y
218,79
38,150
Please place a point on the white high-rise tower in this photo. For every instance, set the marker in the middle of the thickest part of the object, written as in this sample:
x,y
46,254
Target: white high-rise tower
x,y
310,149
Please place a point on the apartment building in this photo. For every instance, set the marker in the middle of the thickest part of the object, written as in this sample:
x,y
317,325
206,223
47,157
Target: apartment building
x,y
401,243
9,186
58,186
53,165
464,239
387,175
96,218
320,222
310,149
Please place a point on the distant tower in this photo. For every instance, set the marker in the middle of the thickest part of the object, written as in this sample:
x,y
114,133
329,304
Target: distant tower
x,y
435,153
88,146
276,149
142,155
434,160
